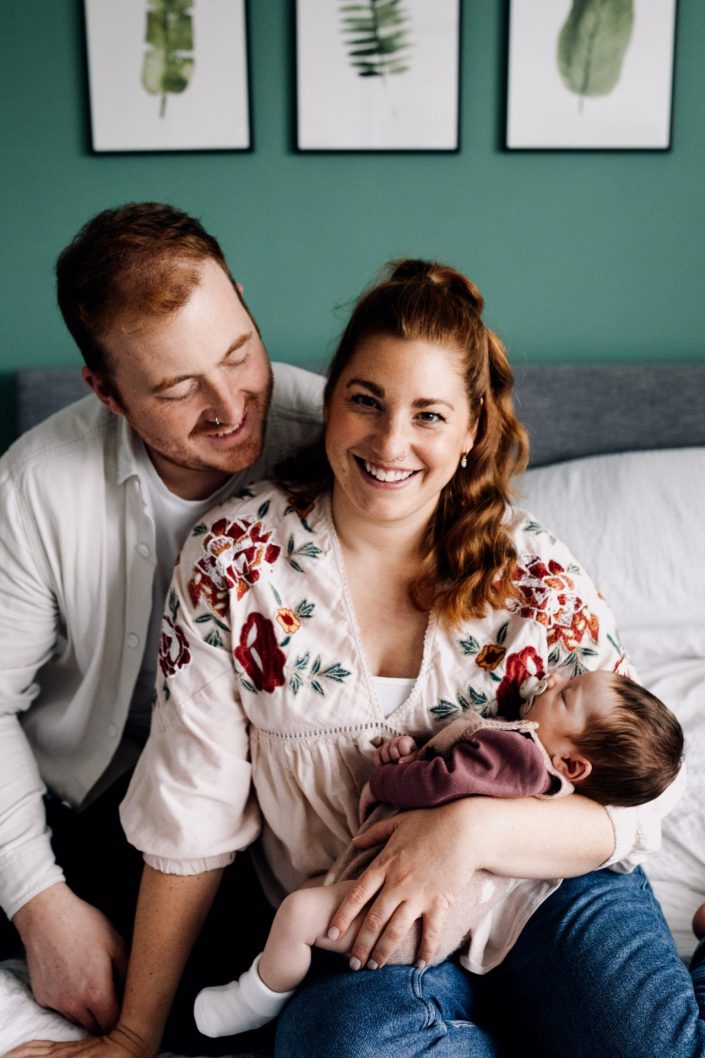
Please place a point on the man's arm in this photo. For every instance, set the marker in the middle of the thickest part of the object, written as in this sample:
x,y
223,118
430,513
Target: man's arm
x,y
170,912
72,950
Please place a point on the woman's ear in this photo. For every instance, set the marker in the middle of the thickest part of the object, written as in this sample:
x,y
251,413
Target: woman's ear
x,y
472,432
573,766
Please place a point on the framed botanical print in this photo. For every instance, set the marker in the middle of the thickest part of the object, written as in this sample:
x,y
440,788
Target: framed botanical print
x,y
377,75
590,74
168,75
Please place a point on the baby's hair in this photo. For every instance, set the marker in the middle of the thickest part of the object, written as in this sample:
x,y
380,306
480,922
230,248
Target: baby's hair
x,y
635,750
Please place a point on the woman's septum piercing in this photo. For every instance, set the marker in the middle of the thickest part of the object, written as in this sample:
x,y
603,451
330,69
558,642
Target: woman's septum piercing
x,y
217,422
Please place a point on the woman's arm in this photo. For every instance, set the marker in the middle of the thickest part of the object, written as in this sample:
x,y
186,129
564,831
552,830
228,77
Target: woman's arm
x,y
170,911
430,856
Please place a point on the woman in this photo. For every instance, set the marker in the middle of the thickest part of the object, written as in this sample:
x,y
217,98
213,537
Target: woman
x,y
387,587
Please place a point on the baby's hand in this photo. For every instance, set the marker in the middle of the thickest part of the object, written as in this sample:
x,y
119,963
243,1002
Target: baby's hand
x,y
401,748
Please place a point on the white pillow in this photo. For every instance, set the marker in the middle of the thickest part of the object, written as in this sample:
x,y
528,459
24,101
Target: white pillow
x,y
636,522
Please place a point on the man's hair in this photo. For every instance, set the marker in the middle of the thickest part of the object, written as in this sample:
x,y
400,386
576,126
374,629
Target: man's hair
x,y
132,265
635,750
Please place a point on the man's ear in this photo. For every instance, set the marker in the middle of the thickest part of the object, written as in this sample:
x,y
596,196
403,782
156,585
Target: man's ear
x,y
102,390
573,766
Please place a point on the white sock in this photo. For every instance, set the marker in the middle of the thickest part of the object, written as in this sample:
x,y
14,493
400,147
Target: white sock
x,y
240,1006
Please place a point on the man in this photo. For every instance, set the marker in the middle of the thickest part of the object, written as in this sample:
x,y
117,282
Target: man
x,y
97,502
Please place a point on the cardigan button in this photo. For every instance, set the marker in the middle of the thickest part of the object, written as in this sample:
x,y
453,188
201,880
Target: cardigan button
x,y
133,640
144,551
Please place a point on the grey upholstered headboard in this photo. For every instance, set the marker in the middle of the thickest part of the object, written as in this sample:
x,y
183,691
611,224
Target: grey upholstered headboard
x,y
569,410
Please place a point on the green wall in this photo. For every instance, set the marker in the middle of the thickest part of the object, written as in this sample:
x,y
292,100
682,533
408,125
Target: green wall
x,y
580,255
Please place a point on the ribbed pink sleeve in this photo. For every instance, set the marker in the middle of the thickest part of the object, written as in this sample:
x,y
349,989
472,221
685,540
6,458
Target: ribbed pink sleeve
x,y
493,764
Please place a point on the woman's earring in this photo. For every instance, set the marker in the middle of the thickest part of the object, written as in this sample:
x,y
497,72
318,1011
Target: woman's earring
x,y
464,460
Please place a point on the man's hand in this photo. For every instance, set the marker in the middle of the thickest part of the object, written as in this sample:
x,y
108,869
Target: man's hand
x,y
74,956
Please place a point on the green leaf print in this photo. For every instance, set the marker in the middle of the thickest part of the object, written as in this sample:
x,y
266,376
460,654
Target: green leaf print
x,y
477,697
167,66
305,609
305,550
213,638
173,604
470,646
199,530
317,673
502,634
376,37
444,708
592,45
263,508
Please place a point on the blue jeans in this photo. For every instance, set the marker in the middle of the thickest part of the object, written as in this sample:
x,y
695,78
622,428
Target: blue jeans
x,y
594,973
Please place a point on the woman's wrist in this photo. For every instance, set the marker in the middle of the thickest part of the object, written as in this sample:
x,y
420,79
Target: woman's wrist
x,y
132,1042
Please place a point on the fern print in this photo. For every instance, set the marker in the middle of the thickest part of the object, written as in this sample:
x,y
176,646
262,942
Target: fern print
x,y
167,66
314,673
376,37
592,45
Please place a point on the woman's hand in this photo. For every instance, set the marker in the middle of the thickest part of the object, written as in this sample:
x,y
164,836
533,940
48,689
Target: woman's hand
x,y
432,853
425,864
121,1043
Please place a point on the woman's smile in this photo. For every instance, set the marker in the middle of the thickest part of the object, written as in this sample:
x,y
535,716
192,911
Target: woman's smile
x,y
376,474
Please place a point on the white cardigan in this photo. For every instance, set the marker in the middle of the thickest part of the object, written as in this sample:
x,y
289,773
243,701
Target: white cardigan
x,y
76,570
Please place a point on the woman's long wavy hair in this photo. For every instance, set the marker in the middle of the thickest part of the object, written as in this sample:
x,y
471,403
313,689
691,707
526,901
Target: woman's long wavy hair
x,y
469,557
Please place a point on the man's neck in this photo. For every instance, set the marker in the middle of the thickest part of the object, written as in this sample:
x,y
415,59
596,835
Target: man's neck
x,y
185,482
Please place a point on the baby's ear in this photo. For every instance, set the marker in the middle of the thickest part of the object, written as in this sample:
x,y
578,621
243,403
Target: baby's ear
x,y
572,766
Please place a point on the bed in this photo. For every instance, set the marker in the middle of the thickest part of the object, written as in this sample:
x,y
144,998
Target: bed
x,y
617,472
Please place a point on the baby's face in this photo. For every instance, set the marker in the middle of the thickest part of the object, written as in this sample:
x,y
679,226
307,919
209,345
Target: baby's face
x,y
566,706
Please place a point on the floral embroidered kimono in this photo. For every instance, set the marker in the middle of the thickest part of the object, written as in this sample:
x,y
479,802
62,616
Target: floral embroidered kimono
x,y
266,717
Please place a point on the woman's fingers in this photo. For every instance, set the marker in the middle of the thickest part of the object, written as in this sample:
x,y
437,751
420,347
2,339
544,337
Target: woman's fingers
x,y
431,926
360,894
377,834
383,946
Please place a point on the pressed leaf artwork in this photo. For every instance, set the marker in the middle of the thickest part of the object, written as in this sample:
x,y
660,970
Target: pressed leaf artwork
x,y
592,45
376,37
168,66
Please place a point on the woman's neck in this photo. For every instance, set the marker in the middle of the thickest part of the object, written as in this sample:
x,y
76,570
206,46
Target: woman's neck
x,y
400,542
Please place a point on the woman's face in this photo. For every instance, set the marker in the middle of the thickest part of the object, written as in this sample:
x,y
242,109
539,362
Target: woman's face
x,y
398,422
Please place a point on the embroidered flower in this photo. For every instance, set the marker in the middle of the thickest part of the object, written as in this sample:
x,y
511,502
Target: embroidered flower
x,y
584,623
551,599
288,621
174,652
231,559
259,654
520,666
490,656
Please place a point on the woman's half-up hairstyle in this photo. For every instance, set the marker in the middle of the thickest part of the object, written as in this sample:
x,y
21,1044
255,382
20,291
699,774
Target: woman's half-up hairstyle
x,y
469,557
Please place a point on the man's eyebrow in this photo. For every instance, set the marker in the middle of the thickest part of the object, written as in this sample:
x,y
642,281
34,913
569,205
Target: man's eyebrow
x,y
421,402
174,380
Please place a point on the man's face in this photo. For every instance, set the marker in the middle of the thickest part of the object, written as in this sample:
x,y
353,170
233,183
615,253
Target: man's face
x,y
195,386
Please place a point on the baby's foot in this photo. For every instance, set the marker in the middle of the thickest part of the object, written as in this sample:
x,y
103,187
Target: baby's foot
x,y
239,1006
